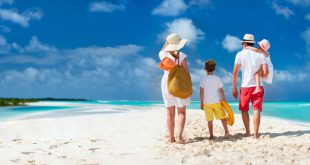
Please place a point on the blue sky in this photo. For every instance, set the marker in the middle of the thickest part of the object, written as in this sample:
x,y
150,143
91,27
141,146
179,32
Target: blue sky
x,y
109,49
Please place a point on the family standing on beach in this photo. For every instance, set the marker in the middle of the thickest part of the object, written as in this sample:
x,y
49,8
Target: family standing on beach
x,y
255,65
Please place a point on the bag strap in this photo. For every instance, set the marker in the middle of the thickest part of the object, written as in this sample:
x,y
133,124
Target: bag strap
x,y
177,59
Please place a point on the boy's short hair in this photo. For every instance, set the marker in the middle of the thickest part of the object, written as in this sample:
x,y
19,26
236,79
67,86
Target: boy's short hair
x,y
210,65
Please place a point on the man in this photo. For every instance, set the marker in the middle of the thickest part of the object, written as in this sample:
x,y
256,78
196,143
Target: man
x,y
250,63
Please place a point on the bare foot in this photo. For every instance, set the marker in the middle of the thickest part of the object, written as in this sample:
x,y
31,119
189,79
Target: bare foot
x,y
226,135
256,136
257,90
247,135
211,137
180,140
172,140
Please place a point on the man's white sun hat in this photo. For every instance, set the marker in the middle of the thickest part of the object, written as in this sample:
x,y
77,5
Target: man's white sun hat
x,y
175,42
248,38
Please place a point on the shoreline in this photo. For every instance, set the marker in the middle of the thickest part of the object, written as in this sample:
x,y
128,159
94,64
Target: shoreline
x,y
83,106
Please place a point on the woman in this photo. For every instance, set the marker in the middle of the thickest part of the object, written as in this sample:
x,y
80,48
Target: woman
x,y
171,49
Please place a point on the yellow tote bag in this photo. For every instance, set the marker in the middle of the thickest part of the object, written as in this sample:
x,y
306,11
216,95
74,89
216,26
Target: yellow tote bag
x,y
179,83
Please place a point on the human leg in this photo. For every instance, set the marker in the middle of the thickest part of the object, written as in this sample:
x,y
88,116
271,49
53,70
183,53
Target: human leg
x,y
210,127
256,122
181,121
258,76
170,123
257,103
246,122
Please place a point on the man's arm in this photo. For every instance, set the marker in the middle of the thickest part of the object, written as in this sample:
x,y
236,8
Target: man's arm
x,y
265,70
234,79
201,98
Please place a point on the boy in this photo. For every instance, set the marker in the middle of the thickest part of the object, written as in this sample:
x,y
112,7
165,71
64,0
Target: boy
x,y
210,101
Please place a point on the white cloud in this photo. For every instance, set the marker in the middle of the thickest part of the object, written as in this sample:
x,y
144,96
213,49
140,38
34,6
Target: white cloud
x,y
122,50
185,28
200,62
92,72
6,2
300,2
170,8
22,19
4,46
226,76
307,17
231,43
35,45
281,10
306,37
2,41
287,76
34,13
200,2
50,55
105,7
5,29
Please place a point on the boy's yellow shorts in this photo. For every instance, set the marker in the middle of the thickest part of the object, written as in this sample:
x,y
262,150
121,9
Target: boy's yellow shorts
x,y
216,110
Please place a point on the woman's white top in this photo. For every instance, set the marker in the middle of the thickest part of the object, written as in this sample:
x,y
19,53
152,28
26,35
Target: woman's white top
x,y
167,97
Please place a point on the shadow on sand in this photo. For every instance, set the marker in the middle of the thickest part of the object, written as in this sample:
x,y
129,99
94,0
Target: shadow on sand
x,y
231,138
239,136
288,133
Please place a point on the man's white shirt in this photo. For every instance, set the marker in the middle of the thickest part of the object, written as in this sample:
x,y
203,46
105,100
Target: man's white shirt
x,y
250,62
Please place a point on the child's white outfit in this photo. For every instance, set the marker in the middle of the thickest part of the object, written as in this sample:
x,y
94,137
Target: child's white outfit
x,y
270,69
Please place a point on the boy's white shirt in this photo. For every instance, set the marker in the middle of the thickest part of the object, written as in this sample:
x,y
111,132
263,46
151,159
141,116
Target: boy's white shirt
x,y
211,85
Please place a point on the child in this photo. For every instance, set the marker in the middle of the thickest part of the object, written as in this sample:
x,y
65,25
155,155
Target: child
x,y
210,101
263,47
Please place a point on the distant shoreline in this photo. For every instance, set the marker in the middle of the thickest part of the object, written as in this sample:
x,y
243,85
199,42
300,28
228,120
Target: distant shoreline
x,y
6,102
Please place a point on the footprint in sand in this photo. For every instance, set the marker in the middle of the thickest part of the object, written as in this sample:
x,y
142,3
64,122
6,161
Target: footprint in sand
x,y
53,147
93,149
31,161
15,160
27,153
15,140
94,140
203,153
64,157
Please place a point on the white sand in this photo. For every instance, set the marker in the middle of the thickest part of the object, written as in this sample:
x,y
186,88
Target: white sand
x,y
90,135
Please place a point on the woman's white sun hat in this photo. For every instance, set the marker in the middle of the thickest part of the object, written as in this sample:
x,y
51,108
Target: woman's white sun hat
x,y
264,44
175,42
248,38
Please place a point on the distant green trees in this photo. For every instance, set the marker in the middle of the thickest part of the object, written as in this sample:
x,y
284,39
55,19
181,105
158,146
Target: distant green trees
x,y
15,101
23,101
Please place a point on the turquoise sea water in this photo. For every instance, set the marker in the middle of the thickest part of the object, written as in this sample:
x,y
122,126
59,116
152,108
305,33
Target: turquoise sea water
x,y
9,112
297,111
